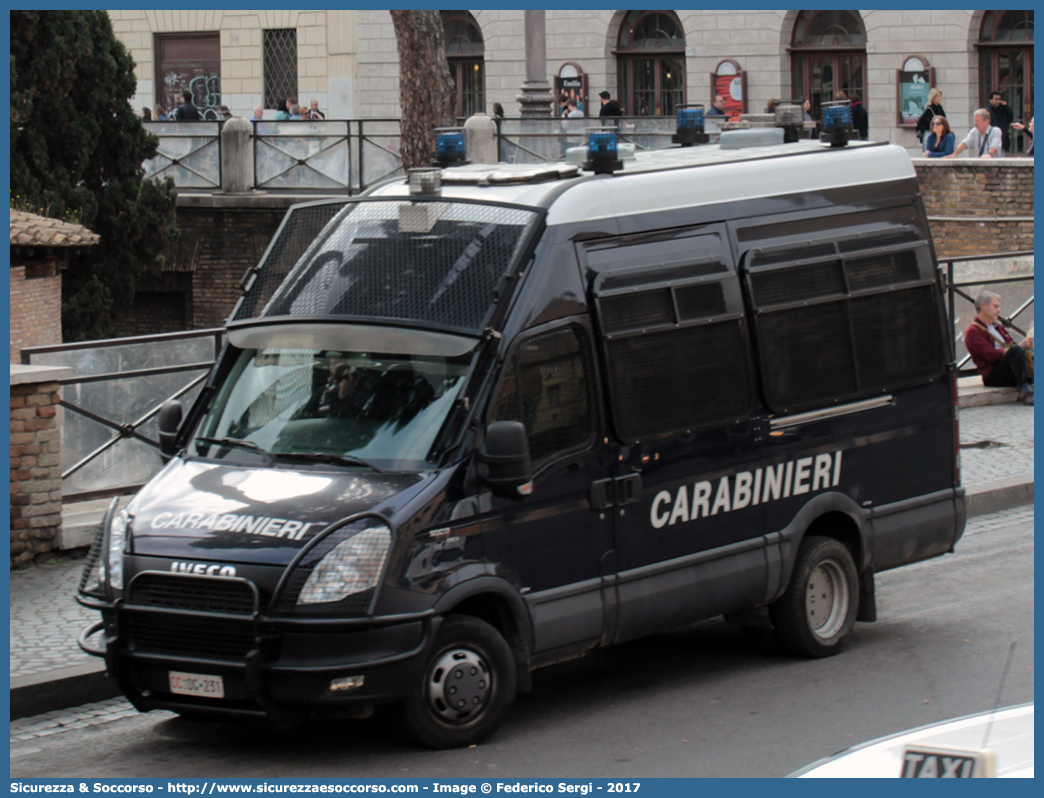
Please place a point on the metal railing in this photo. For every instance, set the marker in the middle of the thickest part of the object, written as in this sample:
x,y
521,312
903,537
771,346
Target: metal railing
x,y
300,156
348,155
190,152
109,441
954,290
540,140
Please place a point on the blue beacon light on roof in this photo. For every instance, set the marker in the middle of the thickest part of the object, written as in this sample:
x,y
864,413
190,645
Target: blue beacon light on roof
x,y
602,156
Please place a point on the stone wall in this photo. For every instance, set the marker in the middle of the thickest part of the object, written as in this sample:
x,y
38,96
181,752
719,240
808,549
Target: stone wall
x,y
36,457
978,206
326,53
36,305
757,40
348,60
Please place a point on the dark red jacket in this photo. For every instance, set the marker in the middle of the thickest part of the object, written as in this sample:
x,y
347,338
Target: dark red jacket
x,y
981,347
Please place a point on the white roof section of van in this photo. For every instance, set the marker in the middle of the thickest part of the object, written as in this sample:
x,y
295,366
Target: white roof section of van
x,y
651,182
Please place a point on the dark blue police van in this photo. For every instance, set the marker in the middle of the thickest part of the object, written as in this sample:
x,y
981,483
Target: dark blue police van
x,y
491,417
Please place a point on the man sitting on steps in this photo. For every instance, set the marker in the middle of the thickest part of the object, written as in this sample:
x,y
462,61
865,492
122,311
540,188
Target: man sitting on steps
x,y
1000,361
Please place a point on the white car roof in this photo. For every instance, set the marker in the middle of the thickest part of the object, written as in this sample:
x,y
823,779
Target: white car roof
x,y
678,177
1007,732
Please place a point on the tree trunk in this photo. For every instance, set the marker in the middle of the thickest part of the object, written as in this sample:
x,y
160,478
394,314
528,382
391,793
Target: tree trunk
x,y
425,84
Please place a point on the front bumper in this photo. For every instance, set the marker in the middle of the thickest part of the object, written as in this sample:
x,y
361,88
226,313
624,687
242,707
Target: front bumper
x,y
275,667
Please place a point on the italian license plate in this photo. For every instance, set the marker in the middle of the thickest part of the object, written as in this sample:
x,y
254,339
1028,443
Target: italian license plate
x,y
198,684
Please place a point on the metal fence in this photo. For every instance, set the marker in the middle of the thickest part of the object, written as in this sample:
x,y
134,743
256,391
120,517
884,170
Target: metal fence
x,y
349,155
299,156
190,152
539,140
109,405
967,275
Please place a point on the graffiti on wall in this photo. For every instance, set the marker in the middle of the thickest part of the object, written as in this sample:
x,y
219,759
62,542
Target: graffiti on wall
x,y
205,91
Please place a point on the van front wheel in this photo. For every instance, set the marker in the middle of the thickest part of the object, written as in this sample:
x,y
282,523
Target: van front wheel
x,y
818,609
467,686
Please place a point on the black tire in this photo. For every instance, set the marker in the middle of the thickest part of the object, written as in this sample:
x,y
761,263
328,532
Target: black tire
x,y
818,610
470,663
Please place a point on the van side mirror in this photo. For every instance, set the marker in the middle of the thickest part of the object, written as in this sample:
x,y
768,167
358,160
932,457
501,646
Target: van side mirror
x,y
508,469
169,421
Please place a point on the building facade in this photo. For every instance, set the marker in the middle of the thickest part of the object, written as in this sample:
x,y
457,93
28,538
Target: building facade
x,y
651,61
242,59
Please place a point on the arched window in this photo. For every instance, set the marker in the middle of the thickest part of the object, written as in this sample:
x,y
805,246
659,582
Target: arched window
x,y
1006,63
465,51
651,59
828,54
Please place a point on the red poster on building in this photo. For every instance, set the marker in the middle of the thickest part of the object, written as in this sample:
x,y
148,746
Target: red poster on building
x,y
731,88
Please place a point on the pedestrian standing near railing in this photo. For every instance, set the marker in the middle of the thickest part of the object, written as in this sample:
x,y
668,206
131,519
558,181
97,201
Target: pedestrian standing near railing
x,y
983,140
186,112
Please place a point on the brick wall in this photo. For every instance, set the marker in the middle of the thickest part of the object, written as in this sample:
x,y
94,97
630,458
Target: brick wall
x,y
162,304
36,305
200,284
978,206
36,454
232,242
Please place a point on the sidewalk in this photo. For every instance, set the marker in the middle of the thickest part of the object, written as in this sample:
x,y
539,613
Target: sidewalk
x,y
49,672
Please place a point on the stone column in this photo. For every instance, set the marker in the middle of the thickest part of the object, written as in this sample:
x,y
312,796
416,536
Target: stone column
x,y
536,98
237,156
36,462
480,139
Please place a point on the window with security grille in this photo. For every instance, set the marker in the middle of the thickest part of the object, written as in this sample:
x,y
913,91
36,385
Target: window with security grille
x,y
547,386
670,313
280,67
430,263
856,317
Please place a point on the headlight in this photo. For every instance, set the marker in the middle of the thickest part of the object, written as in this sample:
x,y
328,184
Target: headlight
x,y
352,566
117,543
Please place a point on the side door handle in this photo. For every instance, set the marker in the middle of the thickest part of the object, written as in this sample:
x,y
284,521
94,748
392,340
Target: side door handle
x,y
601,494
628,489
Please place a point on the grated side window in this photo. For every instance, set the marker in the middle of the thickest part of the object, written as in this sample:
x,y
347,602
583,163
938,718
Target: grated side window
x,y
280,67
547,386
864,324
676,380
435,263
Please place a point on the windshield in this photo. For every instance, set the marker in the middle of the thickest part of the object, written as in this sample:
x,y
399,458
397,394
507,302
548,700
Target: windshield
x,y
379,409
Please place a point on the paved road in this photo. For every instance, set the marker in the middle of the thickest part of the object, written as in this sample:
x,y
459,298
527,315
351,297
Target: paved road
x,y
702,702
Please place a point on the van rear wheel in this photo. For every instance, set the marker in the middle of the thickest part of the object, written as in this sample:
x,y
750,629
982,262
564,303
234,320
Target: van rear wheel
x,y
817,611
466,688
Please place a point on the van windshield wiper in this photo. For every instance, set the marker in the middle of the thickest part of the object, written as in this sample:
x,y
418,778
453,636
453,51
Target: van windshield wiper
x,y
329,457
239,443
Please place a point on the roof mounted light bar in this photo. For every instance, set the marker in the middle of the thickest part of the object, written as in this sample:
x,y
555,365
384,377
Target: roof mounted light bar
x,y
602,156
689,128
449,147
837,123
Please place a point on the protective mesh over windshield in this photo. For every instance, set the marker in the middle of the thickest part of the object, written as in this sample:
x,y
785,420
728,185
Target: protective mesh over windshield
x,y
298,231
428,262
